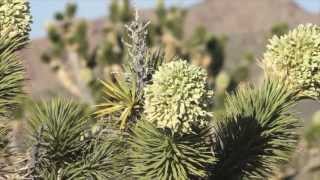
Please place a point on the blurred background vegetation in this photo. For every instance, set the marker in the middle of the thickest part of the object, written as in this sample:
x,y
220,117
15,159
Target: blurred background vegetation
x,y
226,38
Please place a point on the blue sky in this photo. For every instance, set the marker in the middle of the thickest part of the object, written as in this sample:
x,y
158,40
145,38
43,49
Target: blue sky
x,y
310,5
43,10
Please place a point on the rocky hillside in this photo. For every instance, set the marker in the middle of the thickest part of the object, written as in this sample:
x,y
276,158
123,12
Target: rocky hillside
x,y
246,23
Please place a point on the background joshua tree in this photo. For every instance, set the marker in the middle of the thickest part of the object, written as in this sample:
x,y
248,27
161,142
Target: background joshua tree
x,y
158,119
69,55
70,49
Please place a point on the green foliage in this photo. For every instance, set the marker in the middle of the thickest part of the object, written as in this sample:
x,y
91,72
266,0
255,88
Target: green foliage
x,y
65,147
161,154
169,21
223,81
204,42
66,32
71,10
174,22
312,133
78,39
295,57
111,49
280,29
11,74
120,11
178,97
4,131
256,134
98,164
120,98
58,126
161,11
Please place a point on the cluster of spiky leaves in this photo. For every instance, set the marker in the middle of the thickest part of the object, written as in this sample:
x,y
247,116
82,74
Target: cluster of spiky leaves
x,y
178,97
15,18
295,57
11,74
11,82
120,97
97,164
162,154
63,146
256,134
57,128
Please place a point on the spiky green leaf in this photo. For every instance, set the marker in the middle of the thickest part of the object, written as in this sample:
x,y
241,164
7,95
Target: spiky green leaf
x,y
257,133
159,154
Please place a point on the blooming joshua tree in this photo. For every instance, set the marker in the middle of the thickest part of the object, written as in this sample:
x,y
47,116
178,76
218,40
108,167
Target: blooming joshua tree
x,y
167,130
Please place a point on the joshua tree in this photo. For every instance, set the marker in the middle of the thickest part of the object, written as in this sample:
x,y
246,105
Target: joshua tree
x,y
167,129
69,55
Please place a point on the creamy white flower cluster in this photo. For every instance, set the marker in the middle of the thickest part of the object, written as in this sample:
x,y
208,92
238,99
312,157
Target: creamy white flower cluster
x,y
178,97
15,18
295,57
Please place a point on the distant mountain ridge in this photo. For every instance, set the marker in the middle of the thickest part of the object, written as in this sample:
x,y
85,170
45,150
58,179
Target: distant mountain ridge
x,y
241,16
